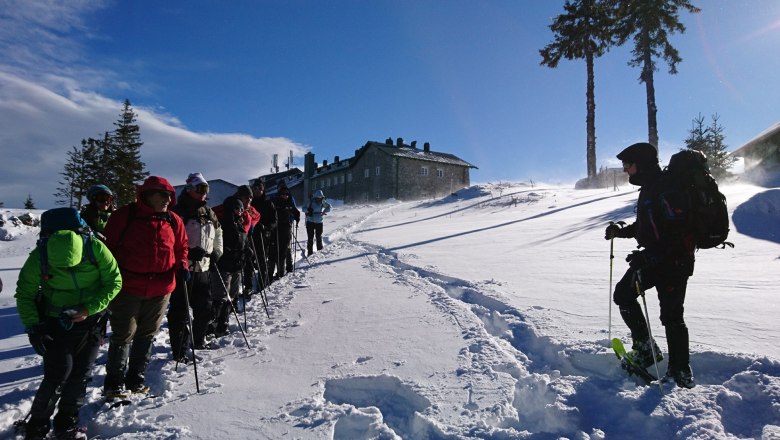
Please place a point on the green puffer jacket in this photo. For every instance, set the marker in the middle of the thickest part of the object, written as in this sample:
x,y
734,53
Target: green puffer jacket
x,y
73,280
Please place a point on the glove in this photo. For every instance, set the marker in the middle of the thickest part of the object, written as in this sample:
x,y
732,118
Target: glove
x,y
638,260
196,253
184,274
215,256
248,253
614,230
309,212
38,337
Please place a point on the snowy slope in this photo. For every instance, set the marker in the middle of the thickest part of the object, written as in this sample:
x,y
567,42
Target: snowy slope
x,y
479,316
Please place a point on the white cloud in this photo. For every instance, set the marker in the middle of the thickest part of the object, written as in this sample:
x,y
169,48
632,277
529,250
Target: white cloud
x,y
38,125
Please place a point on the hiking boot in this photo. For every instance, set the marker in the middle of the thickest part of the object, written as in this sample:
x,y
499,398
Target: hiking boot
x,y
210,345
642,353
73,433
113,393
139,388
683,378
36,429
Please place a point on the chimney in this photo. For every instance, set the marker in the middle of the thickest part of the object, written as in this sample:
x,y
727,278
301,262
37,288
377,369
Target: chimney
x,y
389,141
399,142
427,147
414,144
324,163
336,159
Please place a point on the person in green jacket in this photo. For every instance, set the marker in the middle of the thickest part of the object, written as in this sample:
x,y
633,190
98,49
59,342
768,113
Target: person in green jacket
x,y
65,325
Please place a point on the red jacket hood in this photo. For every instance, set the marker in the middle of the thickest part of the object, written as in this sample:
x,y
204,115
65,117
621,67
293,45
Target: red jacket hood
x,y
156,183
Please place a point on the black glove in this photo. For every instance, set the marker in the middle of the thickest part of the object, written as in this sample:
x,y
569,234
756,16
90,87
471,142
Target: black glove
x,y
39,338
215,256
197,254
309,212
614,230
638,260
184,274
249,253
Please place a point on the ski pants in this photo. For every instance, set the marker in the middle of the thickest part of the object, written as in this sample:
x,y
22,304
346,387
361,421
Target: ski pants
x,y
135,321
225,289
199,289
671,287
313,230
67,367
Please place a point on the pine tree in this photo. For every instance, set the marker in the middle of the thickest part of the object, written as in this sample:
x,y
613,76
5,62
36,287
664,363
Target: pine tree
x,y
28,203
75,180
582,32
125,153
650,23
712,142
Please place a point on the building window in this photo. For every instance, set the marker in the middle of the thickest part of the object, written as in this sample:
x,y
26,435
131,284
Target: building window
x,y
439,173
376,171
349,176
322,184
342,179
423,171
328,182
366,173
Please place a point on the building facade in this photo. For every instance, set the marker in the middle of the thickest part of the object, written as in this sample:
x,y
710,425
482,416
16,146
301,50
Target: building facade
x,y
382,171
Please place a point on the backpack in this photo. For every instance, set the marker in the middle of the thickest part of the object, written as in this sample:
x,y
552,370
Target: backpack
x,y
689,171
59,219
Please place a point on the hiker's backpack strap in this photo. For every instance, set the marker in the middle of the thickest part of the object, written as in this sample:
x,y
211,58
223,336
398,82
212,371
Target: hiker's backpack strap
x,y
131,208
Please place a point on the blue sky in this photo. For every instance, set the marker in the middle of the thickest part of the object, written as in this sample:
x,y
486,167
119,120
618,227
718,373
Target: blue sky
x,y
221,86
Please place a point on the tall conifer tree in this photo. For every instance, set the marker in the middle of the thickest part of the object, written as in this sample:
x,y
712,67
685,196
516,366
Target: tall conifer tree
x,y
125,149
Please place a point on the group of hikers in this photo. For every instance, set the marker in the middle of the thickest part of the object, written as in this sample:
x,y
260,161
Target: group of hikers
x,y
135,265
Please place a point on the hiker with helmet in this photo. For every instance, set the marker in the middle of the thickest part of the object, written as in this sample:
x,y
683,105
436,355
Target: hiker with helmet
x,y
665,261
204,235
64,287
315,209
99,208
150,244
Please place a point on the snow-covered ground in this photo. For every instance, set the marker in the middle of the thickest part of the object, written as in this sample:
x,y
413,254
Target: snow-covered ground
x,y
484,315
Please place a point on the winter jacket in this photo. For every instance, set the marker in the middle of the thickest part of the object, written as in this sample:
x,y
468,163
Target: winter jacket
x,y
73,280
286,213
662,225
95,218
267,211
203,229
148,247
234,237
314,210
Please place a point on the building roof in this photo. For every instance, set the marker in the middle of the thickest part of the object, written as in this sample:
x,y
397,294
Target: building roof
x,y
771,134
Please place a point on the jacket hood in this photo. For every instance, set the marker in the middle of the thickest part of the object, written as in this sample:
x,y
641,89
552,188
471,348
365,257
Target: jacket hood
x,y
64,249
156,183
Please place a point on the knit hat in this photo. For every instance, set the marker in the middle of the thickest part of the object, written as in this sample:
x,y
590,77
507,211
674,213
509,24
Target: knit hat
x,y
233,203
318,194
195,179
244,191
98,189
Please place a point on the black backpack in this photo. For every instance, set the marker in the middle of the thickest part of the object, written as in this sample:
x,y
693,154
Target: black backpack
x,y
688,170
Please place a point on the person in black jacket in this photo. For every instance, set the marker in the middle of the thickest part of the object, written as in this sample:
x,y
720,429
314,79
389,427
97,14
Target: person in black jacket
x,y
665,262
287,214
264,230
226,285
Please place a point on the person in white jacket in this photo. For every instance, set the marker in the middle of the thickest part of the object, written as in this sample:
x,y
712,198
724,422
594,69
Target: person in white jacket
x,y
204,236
315,208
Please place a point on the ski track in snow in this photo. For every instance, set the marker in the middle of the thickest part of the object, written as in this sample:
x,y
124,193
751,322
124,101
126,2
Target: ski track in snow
x,y
535,386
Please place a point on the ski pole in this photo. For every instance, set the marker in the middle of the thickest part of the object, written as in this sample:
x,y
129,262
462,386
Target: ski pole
x,y
611,264
638,284
192,338
232,307
256,266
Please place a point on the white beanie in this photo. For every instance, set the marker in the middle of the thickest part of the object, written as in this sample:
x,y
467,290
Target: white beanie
x,y
195,179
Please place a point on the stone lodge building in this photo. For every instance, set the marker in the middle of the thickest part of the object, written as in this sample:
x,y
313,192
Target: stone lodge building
x,y
381,171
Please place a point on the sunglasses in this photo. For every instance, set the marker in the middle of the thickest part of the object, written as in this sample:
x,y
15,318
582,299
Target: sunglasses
x,y
627,165
163,193
103,198
202,188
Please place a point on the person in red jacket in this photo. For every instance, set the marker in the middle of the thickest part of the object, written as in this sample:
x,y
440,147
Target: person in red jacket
x,y
150,245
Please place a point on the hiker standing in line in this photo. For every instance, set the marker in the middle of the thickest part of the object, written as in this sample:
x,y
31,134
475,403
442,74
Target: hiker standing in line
x,y
76,285
287,214
150,244
315,208
226,284
261,235
204,235
665,262
99,208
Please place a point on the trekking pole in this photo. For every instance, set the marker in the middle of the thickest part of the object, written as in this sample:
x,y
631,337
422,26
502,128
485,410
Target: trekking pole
x,y
192,338
300,246
638,284
232,307
611,263
294,236
256,265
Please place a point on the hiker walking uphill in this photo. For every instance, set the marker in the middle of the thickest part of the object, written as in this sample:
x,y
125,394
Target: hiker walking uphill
x,y
287,214
99,208
150,244
315,208
204,235
63,290
263,231
662,229
226,284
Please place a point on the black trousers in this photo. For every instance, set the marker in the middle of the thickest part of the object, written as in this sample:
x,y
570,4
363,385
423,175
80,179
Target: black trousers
x,y
200,299
670,286
67,367
313,230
